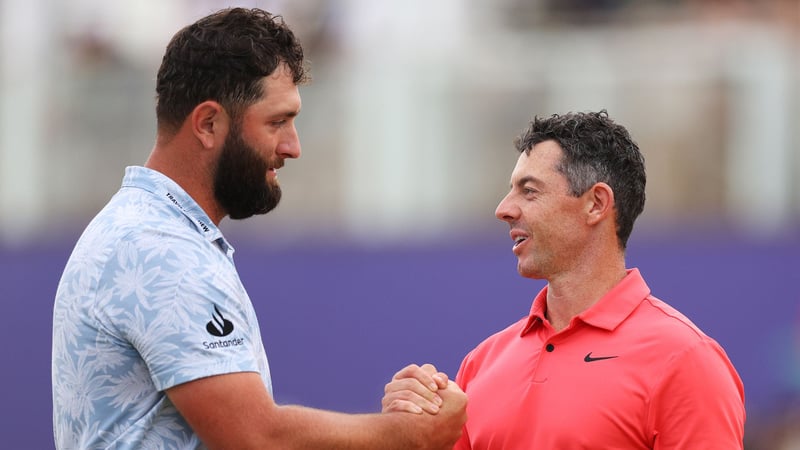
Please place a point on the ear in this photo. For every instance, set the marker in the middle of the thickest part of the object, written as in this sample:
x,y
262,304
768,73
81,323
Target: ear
x,y
210,123
599,203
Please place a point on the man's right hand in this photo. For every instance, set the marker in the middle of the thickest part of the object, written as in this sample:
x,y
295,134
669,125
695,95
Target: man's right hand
x,y
414,389
452,414
418,389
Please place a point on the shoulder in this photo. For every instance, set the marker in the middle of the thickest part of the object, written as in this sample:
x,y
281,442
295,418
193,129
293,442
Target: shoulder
x,y
698,396
681,345
136,220
658,319
138,240
667,343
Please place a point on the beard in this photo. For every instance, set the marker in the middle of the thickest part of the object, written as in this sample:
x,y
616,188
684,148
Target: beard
x,y
240,182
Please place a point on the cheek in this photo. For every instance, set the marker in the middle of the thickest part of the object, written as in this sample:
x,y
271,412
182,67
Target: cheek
x,y
263,141
570,236
554,228
266,151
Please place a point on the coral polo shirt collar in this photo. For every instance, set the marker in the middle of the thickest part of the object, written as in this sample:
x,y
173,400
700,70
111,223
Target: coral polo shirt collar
x,y
608,312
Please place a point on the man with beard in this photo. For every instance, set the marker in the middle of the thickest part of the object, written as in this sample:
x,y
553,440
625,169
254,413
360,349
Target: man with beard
x,y
155,340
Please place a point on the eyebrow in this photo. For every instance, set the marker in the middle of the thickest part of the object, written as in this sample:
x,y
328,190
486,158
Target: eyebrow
x,y
288,114
285,115
527,179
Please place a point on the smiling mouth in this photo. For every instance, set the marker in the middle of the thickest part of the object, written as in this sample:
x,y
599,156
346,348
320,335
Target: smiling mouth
x,y
519,241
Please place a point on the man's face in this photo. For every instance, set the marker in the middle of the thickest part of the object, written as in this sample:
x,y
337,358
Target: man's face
x,y
241,185
547,222
246,180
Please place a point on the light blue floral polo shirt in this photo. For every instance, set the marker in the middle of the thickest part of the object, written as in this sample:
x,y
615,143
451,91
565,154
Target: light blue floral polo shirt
x,y
149,299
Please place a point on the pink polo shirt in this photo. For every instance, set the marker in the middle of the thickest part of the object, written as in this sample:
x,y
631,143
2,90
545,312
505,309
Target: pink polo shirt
x,y
630,372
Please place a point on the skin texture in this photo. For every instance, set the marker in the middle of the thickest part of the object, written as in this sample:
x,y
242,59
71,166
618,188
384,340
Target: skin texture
x,y
235,410
569,241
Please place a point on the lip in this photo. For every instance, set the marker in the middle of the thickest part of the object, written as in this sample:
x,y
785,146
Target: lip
x,y
518,244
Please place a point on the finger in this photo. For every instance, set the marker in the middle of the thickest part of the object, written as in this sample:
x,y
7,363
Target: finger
x,y
402,406
428,368
411,386
441,379
453,386
423,374
410,389
453,392
407,398
454,399
406,371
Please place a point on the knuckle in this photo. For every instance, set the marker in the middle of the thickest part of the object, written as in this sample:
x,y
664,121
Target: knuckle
x,y
396,405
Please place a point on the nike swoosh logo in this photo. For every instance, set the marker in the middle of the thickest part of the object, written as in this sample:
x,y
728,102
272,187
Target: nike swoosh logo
x,y
590,358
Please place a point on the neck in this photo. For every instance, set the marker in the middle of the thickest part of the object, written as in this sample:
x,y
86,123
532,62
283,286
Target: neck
x,y
191,168
573,292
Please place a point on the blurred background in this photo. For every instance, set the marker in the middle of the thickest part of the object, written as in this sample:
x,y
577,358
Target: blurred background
x,y
385,249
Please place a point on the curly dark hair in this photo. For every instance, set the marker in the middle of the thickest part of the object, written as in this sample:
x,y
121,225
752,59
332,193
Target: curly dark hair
x,y
595,149
224,57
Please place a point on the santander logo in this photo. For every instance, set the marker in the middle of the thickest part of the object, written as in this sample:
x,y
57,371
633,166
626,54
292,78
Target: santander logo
x,y
219,326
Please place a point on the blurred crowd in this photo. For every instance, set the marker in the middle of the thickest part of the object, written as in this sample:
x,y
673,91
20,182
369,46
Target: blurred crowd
x,y
409,120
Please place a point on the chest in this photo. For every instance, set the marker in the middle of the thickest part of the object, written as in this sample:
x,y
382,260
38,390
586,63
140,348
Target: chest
x,y
561,394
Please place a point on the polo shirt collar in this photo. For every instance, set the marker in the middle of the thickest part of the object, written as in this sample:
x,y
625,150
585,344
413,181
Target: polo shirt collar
x,y
170,192
608,312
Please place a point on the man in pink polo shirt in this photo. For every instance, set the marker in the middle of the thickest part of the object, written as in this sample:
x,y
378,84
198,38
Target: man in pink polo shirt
x,y
599,363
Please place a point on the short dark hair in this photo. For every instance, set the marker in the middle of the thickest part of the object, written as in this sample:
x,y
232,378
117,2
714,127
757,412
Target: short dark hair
x,y
595,149
224,57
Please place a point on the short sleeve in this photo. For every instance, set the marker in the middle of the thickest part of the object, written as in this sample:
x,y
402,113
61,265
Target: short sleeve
x,y
699,403
179,303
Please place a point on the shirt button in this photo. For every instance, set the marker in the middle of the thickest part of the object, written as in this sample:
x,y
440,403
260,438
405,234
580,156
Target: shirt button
x,y
550,347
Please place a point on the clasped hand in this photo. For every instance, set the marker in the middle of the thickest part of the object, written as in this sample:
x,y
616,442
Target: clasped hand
x,y
417,389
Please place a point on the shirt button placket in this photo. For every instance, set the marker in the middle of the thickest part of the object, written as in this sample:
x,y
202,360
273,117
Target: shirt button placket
x,y
542,370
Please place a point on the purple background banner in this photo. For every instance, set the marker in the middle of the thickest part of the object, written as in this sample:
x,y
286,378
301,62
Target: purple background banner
x,y
338,321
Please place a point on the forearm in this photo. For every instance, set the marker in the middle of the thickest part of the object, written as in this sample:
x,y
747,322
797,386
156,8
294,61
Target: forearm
x,y
236,411
297,427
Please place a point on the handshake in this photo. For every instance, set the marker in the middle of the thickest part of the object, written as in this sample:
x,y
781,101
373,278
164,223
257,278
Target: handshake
x,y
437,405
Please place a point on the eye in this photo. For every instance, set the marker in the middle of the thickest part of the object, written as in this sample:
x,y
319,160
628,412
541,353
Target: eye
x,y
278,123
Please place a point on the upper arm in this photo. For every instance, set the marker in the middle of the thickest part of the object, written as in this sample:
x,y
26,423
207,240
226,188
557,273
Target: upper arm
x,y
180,305
227,411
700,402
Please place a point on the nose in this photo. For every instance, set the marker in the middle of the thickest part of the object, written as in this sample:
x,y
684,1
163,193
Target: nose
x,y
289,145
506,210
